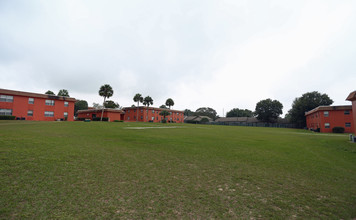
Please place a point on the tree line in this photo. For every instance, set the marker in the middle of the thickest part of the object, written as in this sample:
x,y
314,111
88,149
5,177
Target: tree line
x,y
269,110
266,110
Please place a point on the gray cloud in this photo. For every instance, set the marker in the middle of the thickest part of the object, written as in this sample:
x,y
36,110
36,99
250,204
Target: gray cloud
x,y
201,53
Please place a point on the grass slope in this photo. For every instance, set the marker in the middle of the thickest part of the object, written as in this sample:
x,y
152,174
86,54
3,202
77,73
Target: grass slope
x,y
105,170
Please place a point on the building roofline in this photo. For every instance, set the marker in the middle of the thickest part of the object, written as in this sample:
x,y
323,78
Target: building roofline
x,y
154,108
329,108
100,110
352,96
35,95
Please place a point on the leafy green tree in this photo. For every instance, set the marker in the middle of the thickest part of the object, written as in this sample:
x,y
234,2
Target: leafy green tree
x,y
138,98
236,112
105,91
164,113
147,101
80,105
307,102
206,111
63,92
268,110
188,112
49,92
111,104
163,106
169,103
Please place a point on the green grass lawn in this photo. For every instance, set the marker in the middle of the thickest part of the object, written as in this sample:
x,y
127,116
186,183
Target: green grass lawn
x,y
109,170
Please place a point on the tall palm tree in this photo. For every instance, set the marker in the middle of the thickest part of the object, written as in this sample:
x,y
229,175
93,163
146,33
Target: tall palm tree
x,y
169,103
138,98
147,101
106,91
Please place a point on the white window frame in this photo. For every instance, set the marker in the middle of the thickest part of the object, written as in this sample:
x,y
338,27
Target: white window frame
x,y
346,112
49,102
6,98
347,124
66,104
30,113
326,113
327,125
31,101
49,114
4,111
65,114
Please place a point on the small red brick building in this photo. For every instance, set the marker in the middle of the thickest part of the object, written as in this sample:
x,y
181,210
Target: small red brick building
x,y
35,106
328,117
111,114
352,98
152,114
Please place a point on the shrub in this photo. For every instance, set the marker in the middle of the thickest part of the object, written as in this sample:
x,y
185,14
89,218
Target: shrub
x,y
338,130
98,119
7,117
80,119
118,121
164,121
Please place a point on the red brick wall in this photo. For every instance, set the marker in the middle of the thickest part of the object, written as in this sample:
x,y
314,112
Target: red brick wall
x,y
354,116
336,118
111,115
20,106
152,115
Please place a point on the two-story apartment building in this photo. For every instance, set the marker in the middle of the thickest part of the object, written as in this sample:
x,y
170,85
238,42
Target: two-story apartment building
x,y
326,118
35,106
152,114
352,98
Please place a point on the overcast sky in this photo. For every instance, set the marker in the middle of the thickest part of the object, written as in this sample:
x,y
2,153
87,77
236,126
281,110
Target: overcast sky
x,y
202,53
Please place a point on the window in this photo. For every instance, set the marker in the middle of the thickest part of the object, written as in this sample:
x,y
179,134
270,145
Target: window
x,y
6,98
128,118
346,112
153,118
29,113
327,125
326,114
153,111
347,124
65,104
141,110
141,117
65,114
49,102
49,114
128,111
5,111
31,101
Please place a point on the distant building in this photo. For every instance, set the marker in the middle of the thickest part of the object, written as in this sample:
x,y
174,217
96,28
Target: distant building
x,y
35,106
94,114
352,98
152,114
326,118
197,119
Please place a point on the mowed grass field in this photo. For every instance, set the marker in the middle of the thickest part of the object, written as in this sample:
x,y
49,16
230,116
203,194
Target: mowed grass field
x,y
78,170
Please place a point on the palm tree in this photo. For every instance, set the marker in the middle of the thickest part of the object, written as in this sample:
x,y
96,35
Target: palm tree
x,y
138,98
106,91
164,113
147,101
169,103
63,92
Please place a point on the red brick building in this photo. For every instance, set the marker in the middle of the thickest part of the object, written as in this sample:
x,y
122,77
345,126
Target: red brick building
x,y
328,117
152,114
352,98
35,106
111,114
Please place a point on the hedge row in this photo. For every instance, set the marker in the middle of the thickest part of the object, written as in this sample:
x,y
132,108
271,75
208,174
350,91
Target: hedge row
x,y
7,117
